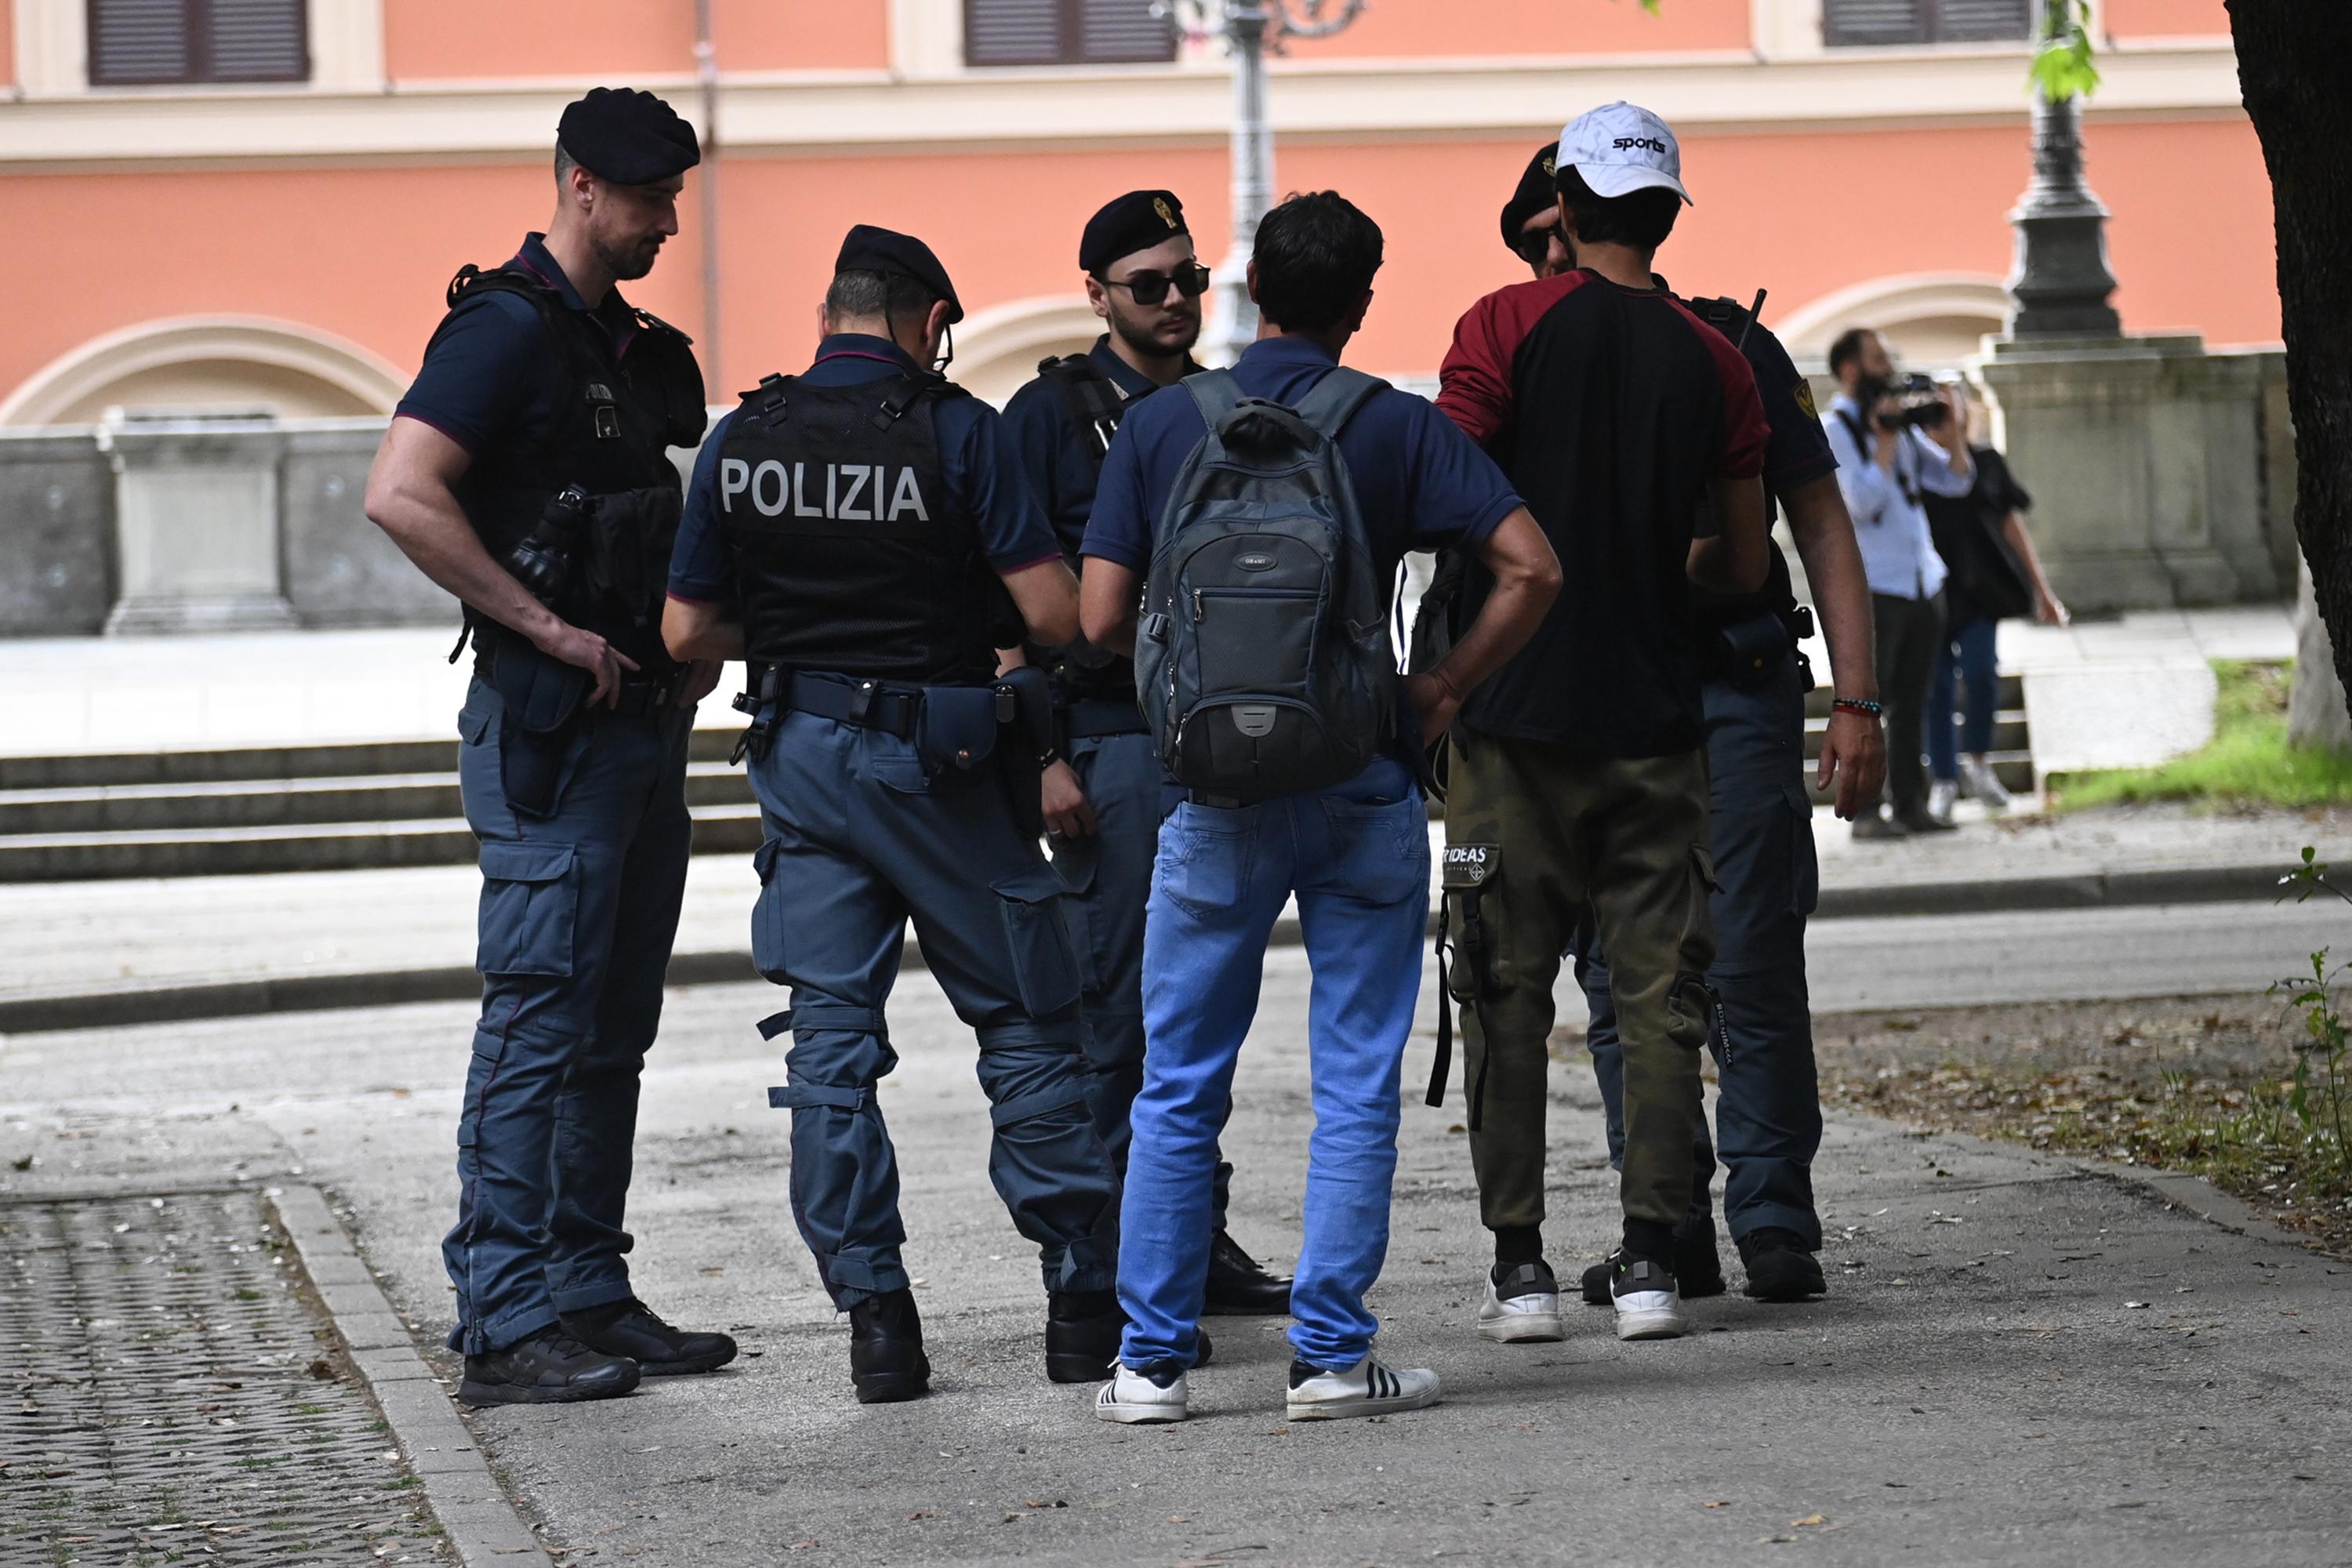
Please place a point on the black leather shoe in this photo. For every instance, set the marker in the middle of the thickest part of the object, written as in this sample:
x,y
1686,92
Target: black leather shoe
x,y
1238,1287
629,1328
550,1367
1780,1267
886,1363
1081,1330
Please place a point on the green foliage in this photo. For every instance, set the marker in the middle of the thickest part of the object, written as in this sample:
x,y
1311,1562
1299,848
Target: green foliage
x,y
2247,761
2061,66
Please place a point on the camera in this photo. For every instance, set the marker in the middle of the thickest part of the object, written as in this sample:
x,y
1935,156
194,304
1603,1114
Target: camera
x,y
1918,405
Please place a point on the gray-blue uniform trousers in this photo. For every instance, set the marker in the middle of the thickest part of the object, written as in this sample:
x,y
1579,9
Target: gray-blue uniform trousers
x,y
579,906
1767,1111
1108,875
860,837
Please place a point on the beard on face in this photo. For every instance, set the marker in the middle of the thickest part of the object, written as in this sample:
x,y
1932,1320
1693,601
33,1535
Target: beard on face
x,y
626,262
1140,335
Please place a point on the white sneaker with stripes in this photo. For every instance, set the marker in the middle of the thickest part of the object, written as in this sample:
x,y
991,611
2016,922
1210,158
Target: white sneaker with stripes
x,y
1135,1398
1367,1388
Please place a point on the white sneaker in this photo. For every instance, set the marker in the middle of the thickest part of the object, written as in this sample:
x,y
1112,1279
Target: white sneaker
x,y
1136,1398
1978,782
1649,1302
1367,1388
1530,1314
1942,796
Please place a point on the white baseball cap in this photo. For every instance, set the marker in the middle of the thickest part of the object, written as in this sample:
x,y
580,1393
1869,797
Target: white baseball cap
x,y
1620,148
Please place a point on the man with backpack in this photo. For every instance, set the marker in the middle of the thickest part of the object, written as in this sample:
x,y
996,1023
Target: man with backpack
x,y
1101,795
1270,508
1579,776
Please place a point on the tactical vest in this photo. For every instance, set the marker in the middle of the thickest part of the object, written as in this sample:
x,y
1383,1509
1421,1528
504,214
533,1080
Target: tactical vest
x,y
616,416
851,553
1094,405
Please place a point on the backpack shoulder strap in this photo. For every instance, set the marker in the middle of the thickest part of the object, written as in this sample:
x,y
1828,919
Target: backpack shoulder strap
x,y
1333,400
1216,392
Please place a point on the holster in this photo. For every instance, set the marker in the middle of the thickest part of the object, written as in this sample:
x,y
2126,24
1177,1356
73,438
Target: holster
x,y
764,685
1036,723
1747,652
1463,967
544,700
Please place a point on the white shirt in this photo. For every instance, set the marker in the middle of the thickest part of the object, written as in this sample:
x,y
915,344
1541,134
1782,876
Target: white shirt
x,y
1898,554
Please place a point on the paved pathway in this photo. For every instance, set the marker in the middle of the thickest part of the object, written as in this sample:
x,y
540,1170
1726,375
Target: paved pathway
x,y
2019,1363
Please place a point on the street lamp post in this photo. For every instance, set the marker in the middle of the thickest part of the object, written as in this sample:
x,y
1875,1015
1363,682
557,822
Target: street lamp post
x,y
1250,28
2060,282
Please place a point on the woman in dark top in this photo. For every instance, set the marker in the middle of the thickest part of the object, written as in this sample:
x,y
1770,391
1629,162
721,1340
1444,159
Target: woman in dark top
x,y
1995,575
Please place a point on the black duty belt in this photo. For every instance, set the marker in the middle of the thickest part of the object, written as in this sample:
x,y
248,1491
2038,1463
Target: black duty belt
x,y
1091,717
640,695
868,703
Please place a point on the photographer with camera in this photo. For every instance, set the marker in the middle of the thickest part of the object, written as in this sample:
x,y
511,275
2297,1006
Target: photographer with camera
x,y
1885,430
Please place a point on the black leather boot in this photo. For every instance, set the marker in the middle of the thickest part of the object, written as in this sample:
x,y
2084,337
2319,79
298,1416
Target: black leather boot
x,y
629,1328
550,1367
1239,1287
886,1363
1081,1330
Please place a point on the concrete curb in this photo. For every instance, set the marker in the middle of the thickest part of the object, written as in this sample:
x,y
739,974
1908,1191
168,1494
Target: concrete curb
x,y
175,1002
481,1524
2197,1195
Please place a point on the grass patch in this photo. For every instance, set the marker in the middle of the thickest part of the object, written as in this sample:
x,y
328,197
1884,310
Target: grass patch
x,y
2247,761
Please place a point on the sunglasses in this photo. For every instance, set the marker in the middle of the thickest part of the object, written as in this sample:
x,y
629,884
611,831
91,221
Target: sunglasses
x,y
1150,288
1534,244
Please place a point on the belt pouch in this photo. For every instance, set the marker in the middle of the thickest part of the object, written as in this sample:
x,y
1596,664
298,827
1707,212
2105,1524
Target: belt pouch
x,y
1748,651
956,727
543,699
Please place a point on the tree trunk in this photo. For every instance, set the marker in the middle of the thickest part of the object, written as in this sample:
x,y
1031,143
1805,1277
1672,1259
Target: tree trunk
x,y
2291,65
2315,716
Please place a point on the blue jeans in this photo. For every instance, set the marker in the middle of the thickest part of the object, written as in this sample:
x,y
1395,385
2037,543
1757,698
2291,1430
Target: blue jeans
x,y
1108,879
1966,656
1768,1112
578,911
861,838
1357,855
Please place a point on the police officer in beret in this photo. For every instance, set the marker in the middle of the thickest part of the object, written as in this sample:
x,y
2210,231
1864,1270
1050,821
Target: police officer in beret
x,y
1767,1118
861,535
528,472
1102,798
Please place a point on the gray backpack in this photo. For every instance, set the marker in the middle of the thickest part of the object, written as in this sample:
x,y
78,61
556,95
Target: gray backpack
x,y
1261,654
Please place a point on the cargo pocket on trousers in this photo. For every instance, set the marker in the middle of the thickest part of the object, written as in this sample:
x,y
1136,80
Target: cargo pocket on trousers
x,y
1699,921
767,914
1804,867
530,901
1045,966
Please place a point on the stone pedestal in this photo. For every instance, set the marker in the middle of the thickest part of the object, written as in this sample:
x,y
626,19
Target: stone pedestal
x,y
196,524
2145,458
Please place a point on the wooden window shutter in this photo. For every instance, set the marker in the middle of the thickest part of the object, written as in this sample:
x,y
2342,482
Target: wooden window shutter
x,y
1063,33
1114,32
135,42
1012,32
1862,21
1973,21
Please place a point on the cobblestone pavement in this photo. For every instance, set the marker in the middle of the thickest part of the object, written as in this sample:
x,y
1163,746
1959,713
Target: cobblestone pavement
x,y
172,1396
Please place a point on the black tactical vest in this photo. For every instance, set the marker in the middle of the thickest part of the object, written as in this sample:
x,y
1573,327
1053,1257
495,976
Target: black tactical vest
x,y
616,416
852,554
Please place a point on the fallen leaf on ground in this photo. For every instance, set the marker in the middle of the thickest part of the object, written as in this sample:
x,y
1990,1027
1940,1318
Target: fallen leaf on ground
x,y
1810,1518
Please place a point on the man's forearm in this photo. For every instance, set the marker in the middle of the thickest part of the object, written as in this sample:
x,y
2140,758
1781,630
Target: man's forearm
x,y
434,534
1507,620
1825,543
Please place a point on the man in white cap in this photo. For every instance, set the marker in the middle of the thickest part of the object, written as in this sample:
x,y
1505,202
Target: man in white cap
x,y
1580,774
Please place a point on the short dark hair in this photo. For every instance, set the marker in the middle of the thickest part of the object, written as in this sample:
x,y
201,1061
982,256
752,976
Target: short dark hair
x,y
1642,218
895,298
1847,350
1316,254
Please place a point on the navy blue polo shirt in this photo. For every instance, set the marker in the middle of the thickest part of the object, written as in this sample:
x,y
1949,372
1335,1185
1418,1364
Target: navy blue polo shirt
x,y
490,373
1058,454
977,457
1420,483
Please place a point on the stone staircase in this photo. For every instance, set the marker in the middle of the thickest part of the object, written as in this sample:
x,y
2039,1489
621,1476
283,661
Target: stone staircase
x,y
333,808
2011,754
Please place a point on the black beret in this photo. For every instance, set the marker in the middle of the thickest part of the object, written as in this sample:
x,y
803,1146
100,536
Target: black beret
x,y
1135,221
627,136
1536,193
872,250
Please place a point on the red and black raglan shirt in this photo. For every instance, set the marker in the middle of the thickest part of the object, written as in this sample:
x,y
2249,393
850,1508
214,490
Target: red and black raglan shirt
x,y
1610,409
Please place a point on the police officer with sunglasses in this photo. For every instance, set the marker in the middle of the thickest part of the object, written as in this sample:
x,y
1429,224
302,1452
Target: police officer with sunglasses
x,y
1102,797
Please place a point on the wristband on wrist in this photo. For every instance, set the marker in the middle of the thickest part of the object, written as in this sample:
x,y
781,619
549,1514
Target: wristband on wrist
x,y
1862,705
